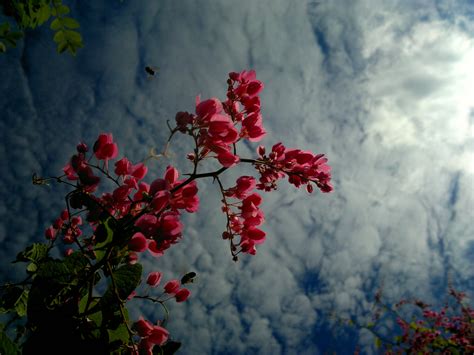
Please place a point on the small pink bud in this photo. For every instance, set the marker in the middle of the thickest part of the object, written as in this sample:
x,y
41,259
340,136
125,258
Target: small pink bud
x,y
143,327
64,215
182,295
68,252
50,233
172,286
154,278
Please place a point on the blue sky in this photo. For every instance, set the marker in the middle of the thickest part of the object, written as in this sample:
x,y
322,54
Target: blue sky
x,y
384,88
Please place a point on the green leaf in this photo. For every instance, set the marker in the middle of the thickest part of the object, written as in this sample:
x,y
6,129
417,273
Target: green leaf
x,y
63,10
3,49
119,335
100,248
36,253
7,346
74,37
31,268
59,37
4,28
126,280
21,304
70,22
43,14
62,47
56,24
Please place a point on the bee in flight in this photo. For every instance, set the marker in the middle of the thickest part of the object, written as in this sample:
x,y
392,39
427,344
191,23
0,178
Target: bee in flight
x,y
151,71
188,278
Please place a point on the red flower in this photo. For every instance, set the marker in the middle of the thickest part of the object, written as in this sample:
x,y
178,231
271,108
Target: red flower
x,y
182,295
154,278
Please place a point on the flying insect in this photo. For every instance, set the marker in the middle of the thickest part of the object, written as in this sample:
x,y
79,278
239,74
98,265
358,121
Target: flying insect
x,y
151,71
188,278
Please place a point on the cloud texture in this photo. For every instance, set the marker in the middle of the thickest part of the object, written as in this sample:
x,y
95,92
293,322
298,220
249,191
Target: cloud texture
x,y
382,87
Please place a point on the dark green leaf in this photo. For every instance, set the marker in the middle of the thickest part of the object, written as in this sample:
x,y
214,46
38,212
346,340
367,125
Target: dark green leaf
x,y
56,24
36,252
70,22
21,304
73,36
4,28
43,14
126,279
169,348
119,335
62,47
100,248
59,37
63,10
7,346
3,49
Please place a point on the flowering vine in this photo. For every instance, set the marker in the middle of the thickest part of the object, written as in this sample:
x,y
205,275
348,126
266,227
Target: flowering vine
x,y
104,231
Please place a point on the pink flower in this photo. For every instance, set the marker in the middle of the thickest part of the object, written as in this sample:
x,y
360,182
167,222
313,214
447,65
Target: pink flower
x,y
64,215
138,242
154,278
172,287
182,295
171,175
122,167
158,335
105,148
227,159
143,327
208,108
50,233
139,171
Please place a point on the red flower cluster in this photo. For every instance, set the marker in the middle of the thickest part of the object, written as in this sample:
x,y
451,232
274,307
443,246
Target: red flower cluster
x,y
214,124
138,216
302,168
245,222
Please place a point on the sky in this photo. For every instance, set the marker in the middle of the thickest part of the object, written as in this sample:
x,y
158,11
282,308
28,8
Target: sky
x,y
383,88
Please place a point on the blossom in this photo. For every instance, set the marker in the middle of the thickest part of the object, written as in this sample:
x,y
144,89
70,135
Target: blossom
x,y
154,278
138,242
182,295
172,286
105,148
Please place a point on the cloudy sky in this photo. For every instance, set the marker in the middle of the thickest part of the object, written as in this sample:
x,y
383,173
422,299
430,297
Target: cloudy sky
x,y
384,88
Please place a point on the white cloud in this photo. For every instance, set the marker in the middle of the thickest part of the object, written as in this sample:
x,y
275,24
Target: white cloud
x,y
382,87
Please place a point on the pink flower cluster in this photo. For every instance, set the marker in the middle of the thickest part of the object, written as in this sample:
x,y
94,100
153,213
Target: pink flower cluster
x,y
302,168
245,216
139,216
150,335
214,124
438,329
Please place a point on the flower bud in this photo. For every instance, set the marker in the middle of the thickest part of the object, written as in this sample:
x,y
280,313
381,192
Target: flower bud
x,y
154,278
182,295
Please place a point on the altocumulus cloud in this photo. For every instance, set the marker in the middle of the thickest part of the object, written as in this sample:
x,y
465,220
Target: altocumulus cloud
x,y
381,87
